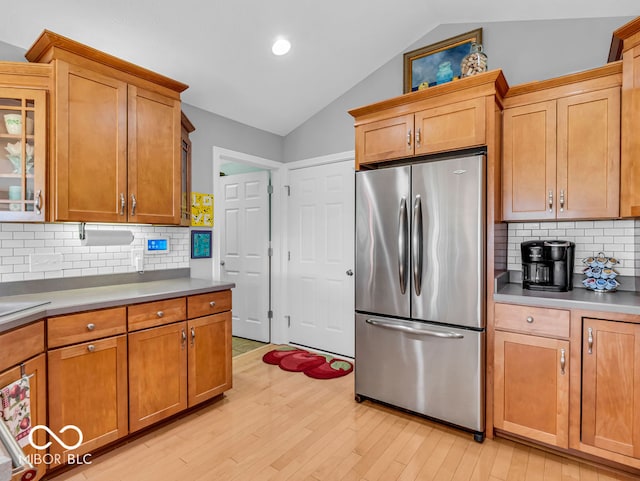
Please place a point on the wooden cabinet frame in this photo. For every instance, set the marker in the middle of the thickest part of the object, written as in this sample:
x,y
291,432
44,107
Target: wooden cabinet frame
x,y
114,120
576,445
549,139
443,118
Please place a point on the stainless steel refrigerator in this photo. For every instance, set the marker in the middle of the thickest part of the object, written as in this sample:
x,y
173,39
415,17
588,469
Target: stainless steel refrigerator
x,y
420,324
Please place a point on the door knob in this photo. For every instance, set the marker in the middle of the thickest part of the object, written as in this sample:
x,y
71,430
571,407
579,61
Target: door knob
x,y
349,272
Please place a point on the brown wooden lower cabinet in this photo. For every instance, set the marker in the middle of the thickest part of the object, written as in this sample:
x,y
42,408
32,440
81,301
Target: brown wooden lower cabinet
x,y
36,369
611,386
157,374
532,387
209,357
88,389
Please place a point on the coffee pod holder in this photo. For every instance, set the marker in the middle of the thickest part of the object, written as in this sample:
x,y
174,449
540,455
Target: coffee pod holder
x,y
600,275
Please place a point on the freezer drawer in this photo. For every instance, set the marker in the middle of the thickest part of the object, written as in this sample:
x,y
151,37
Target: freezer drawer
x,y
430,369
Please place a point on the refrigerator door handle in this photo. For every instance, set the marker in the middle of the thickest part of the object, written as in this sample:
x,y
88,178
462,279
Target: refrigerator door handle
x,y
416,241
424,332
403,245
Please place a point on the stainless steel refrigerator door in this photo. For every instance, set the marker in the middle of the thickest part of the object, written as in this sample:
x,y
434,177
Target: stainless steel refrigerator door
x,y
382,241
429,369
447,268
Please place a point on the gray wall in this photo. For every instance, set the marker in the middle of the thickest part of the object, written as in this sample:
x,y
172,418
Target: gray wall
x,y
212,129
11,53
525,51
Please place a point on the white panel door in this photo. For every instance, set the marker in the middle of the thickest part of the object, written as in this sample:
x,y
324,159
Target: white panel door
x,y
244,246
320,239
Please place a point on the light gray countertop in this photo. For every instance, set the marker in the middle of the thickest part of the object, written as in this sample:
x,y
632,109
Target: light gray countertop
x,y
626,302
76,300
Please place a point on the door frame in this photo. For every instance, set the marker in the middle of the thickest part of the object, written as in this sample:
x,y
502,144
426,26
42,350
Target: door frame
x,y
279,329
282,328
220,156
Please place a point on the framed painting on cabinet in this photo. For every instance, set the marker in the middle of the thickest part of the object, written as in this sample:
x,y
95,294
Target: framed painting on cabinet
x,y
426,66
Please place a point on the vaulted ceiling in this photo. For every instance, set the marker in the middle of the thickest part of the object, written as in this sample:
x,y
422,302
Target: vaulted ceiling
x,y
222,49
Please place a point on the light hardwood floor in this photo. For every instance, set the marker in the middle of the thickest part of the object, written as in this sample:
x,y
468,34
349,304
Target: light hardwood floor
x,y
276,425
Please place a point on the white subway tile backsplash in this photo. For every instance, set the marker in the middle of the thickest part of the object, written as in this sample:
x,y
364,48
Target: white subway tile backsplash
x,y
613,237
17,241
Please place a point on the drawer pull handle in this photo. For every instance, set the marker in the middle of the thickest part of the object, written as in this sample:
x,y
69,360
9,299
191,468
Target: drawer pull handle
x,y
91,348
91,326
160,313
212,303
530,319
563,361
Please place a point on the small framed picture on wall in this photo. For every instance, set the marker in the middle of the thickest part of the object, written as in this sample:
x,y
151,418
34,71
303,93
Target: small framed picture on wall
x,y
200,244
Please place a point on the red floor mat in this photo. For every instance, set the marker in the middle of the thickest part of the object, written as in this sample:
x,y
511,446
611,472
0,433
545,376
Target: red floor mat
x,y
317,366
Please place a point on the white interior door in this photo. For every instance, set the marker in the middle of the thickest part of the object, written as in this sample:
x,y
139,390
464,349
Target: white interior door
x,y
320,272
244,250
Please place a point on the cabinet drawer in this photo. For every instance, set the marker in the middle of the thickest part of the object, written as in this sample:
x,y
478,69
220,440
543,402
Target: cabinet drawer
x,y
21,344
151,314
85,326
532,320
210,303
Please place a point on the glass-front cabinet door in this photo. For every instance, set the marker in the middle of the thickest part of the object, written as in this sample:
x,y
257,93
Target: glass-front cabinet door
x,y
22,154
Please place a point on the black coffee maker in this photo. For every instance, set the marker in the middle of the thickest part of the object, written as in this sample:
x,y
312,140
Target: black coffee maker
x,y
547,265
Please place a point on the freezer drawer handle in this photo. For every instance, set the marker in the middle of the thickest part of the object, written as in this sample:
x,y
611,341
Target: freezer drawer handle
x,y
425,332
417,245
403,245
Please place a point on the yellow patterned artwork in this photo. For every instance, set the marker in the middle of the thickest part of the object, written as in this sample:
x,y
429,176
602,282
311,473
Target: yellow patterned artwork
x,y
201,209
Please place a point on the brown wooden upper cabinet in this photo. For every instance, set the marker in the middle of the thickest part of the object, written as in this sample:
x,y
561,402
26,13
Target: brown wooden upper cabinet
x,y
443,118
561,147
185,162
629,37
116,146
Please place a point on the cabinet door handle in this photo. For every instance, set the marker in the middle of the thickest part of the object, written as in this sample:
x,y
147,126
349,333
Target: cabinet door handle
x,y
184,338
212,303
590,340
91,348
409,139
418,137
561,200
160,313
550,201
193,336
38,204
91,326
530,319
563,361
133,204
123,203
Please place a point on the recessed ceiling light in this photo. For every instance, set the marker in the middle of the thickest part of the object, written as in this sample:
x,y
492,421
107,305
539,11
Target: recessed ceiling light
x,y
281,47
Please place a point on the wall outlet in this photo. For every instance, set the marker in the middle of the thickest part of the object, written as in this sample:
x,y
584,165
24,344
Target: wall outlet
x,y
137,259
45,262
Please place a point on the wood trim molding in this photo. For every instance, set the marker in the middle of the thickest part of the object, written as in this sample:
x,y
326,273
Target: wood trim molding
x,y
44,50
627,36
186,123
570,81
495,77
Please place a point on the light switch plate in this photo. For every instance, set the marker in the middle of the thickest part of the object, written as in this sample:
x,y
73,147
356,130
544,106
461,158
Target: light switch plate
x,y
45,262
